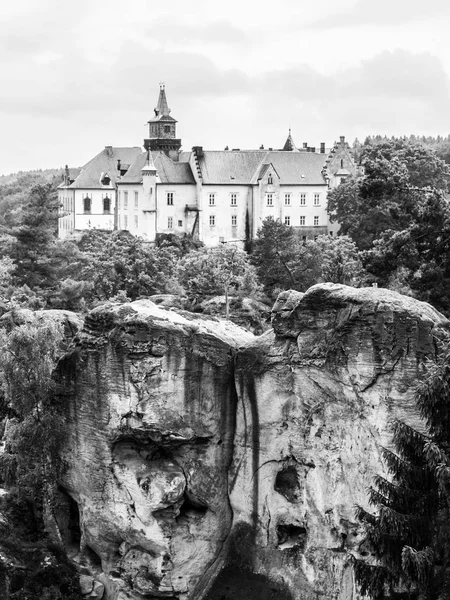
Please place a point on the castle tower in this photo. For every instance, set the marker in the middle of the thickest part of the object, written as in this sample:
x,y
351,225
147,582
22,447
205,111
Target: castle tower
x,y
162,129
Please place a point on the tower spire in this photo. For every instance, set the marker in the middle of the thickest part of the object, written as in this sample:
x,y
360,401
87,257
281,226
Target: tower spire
x,y
289,144
162,108
162,128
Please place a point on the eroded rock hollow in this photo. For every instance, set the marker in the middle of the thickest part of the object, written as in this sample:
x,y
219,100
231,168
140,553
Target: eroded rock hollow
x,y
206,463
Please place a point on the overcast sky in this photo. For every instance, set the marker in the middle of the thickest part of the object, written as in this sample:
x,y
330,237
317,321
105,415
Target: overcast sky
x,y
77,76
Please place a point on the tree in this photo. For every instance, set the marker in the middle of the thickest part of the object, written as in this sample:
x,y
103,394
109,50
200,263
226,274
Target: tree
x,y
120,262
410,534
33,435
390,194
420,253
284,262
31,464
275,257
340,260
34,236
219,270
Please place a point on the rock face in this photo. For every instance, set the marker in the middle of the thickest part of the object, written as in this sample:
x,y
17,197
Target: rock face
x,y
206,463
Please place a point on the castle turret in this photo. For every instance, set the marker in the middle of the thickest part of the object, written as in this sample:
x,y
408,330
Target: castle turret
x,y
289,144
162,129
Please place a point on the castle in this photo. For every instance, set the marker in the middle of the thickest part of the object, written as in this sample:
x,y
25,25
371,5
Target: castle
x,y
215,196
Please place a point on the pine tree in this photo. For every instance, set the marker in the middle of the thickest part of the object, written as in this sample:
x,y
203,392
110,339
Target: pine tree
x,y
410,535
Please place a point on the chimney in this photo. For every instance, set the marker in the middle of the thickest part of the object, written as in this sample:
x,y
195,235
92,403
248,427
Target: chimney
x,y
322,147
342,139
118,164
305,145
109,150
198,150
313,149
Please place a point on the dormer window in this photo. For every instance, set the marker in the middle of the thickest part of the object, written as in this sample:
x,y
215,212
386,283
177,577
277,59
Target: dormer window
x,y
106,179
270,179
87,205
106,205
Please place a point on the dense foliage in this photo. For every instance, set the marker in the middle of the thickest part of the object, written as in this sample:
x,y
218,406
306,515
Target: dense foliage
x,y
30,464
398,215
410,534
283,261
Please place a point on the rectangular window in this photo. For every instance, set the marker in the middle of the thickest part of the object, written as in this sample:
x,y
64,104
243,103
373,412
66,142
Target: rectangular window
x,y
302,199
170,198
125,199
304,239
136,199
125,222
180,223
269,199
170,223
316,220
136,221
233,199
316,199
233,220
212,199
287,199
287,220
212,220
302,220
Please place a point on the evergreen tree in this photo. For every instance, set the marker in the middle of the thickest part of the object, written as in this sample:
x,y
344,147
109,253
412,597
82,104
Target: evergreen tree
x,y
410,534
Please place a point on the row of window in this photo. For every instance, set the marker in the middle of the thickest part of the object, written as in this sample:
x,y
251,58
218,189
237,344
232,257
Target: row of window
x,y
170,223
125,199
288,199
125,221
87,205
288,220
67,204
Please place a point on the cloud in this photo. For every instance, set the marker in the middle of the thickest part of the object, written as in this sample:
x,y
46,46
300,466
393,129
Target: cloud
x,y
181,31
390,13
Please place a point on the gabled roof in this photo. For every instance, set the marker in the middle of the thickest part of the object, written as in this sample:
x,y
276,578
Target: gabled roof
x,y
267,167
245,166
105,162
167,170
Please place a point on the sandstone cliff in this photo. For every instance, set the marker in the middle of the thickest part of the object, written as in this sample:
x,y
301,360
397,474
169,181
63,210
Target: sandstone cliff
x,y
206,463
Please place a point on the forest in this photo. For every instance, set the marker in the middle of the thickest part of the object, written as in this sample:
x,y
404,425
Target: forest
x,y
395,233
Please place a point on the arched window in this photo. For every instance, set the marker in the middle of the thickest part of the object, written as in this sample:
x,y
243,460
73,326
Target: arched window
x,y
106,179
107,205
87,204
269,179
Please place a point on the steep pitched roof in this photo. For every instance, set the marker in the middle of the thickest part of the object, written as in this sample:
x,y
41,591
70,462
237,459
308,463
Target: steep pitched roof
x,y
167,170
245,166
289,144
162,110
104,162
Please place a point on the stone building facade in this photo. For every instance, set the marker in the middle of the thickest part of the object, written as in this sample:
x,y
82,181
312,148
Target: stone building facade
x,y
215,196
